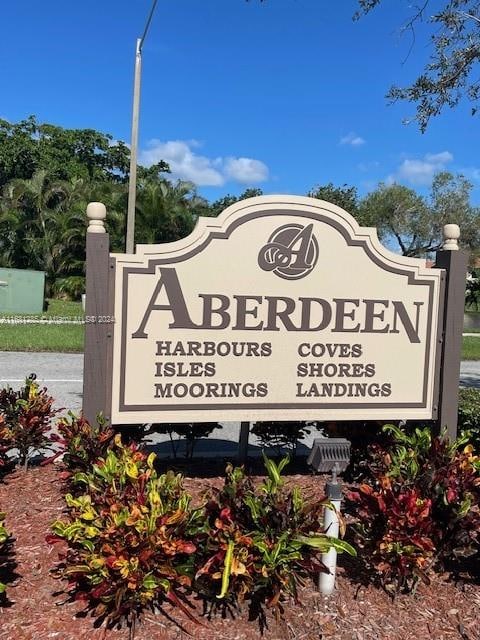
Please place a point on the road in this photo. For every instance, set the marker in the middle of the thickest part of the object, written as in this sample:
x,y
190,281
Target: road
x,y
62,374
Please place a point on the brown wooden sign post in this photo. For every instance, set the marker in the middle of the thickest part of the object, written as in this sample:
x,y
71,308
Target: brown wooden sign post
x,y
455,264
281,308
99,317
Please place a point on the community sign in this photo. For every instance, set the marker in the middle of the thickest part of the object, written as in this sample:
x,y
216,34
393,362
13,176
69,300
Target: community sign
x,y
281,308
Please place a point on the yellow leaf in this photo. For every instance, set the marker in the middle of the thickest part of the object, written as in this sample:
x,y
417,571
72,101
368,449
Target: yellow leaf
x,y
97,562
132,471
151,460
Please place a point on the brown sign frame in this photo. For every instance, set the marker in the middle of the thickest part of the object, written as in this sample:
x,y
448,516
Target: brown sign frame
x,y
101,269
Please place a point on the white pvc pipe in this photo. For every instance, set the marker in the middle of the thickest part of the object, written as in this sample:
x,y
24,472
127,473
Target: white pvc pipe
x,y
326,581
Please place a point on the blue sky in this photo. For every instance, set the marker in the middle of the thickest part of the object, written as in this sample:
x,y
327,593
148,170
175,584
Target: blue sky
x,y
281,95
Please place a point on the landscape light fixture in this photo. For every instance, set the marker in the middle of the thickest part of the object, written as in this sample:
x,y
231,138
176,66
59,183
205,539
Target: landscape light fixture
x,y
132,180
330,455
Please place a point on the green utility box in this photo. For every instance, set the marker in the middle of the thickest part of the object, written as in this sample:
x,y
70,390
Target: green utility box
x,y
21,291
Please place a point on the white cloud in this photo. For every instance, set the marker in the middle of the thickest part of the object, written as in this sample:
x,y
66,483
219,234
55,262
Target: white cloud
x,y
420,172
184,163
246,170
187,164
352,139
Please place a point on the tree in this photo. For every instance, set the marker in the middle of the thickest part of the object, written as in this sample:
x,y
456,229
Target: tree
x,y
153,171
166,211
472,291
415,224
222,203
400,216
345,197
47,219
450,202
452,71
65,154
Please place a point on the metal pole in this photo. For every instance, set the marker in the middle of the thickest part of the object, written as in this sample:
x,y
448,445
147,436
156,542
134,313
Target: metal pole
x,y
132,183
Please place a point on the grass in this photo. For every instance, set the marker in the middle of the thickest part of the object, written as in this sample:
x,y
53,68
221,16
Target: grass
x,y
66,338
59,308
471,348
62,338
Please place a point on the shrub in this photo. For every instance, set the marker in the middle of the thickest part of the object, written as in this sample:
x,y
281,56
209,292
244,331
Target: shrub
x,y
469,412
81,443
129,537
282,435
27,415
396,534
261,544
5,446
421,506
190,431
5,555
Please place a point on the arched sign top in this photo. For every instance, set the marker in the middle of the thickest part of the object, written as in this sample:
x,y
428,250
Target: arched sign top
x,y
304,208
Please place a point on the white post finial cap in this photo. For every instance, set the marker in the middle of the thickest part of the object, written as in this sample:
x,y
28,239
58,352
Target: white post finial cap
x,y
451,234
96,214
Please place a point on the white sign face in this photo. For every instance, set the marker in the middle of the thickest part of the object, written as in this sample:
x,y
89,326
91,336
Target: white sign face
x,y
281,308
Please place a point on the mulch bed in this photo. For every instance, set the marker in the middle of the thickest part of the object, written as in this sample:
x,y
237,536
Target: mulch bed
x,y
358,611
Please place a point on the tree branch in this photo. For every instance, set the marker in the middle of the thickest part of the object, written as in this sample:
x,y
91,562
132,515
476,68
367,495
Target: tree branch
x,y
464,14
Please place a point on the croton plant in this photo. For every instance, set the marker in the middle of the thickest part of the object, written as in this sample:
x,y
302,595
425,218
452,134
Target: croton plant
x,y
26,419
261,543
129,536
418,507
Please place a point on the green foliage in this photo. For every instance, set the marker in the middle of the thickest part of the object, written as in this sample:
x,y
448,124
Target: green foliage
x,y
27,417
81,443
261,544
450,201
414,223
70,287
191,432
451,74
129,537
43,227
398,212
395,535
420,506
470,348
59,338
47,177
135,542
28,146
5,445
283,435
345,197
6,543
166,211
472,291
222,203
469,413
